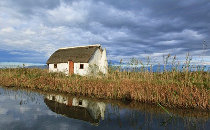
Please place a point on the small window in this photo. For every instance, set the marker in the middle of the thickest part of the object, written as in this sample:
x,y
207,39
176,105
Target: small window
x,y
80,102
81,66
53,98
55,65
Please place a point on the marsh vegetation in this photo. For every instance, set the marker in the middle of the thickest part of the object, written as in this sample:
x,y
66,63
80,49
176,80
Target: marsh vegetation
x,y
181,88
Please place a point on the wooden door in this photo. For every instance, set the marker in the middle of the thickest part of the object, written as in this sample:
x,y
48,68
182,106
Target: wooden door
x,y
70,102
71,67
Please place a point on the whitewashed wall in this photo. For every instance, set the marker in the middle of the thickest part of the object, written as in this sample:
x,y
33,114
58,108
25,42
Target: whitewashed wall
x,y
58,98
79,71
95,108
96,58
104,63
61,67
64,67
99,58
75,102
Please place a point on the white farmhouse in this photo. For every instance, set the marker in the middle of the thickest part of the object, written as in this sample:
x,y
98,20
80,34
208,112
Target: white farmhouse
x,y
81,60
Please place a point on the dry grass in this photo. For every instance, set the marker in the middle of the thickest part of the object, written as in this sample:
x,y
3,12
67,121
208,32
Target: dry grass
x,y
182,89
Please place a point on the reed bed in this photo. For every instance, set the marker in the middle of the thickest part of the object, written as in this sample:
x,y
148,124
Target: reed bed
x,y
175,88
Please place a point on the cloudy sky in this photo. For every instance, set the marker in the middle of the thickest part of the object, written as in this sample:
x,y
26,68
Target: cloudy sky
x,y
31,30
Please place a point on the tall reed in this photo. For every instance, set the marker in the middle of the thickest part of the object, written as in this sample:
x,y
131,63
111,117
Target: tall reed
x,y
172,88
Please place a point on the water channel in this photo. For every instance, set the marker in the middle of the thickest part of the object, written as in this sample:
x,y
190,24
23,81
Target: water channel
x,y
25,109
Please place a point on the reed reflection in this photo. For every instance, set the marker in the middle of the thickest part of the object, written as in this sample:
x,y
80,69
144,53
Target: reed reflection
x,y
26,105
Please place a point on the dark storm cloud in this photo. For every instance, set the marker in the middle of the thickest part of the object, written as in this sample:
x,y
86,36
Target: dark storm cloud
x,y
28,7
127,29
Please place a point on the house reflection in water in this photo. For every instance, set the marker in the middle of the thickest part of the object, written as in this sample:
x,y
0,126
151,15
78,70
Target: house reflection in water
x,y
81,109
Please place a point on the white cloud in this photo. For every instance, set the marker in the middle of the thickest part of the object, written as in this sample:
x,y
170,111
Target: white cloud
x,y
17,53
3,111
193,34
29,32
69,14
186,34
169,42
24,109
7,30
17,42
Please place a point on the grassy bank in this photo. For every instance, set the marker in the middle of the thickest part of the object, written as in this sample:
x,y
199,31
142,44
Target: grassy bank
x,y
183,89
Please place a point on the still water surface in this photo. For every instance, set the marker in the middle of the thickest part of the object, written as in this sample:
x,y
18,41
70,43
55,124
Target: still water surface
x,y
24,109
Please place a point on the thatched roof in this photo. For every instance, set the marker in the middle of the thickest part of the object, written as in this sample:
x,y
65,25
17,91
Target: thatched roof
x,y
74,112
76,54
